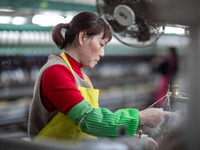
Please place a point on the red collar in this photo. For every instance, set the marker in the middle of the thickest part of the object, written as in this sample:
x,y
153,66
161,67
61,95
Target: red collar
x,y
76,66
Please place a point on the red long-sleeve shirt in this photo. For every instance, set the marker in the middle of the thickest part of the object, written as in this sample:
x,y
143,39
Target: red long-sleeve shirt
x,y
58,87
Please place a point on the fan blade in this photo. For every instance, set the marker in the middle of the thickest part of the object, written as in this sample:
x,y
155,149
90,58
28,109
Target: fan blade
x,y
116,26
143,34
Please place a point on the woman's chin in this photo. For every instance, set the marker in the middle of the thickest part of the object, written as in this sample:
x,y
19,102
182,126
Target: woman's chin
x,y
89,67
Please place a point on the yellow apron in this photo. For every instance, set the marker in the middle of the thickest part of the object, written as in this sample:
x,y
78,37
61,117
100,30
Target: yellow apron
x,y
61,127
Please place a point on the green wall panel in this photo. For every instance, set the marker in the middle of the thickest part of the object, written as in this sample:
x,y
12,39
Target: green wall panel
x,y
50,5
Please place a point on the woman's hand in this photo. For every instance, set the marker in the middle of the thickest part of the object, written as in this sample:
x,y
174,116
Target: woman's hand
x,y
151,143
152,117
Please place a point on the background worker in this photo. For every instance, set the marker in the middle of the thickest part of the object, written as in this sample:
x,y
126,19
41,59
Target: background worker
x,y
167,67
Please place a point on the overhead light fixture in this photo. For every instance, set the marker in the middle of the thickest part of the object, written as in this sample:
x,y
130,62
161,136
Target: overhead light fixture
x,y
5,19
68,19
50,20
6,10
19,20
46,20
174,30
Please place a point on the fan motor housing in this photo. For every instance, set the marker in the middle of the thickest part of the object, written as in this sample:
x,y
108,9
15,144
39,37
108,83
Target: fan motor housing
x,y
124,15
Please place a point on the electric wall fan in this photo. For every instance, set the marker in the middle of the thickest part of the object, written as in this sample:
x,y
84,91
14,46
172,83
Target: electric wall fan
x,y
130,21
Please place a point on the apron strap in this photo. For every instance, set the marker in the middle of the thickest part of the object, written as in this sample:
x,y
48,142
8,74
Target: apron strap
x,y
66,60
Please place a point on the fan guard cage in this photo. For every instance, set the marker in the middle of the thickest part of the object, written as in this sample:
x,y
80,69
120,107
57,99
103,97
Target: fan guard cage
x,y
141,32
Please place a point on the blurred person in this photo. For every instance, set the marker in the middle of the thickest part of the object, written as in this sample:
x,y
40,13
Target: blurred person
x,y
167,66
65,104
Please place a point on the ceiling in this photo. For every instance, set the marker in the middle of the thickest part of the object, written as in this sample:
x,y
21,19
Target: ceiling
x,y
29,7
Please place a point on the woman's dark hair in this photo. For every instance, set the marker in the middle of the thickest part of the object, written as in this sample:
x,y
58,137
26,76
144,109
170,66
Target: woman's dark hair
x,y
85,21
173,51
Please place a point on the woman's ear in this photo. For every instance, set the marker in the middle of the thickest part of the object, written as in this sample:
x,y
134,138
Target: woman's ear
x,y
81,39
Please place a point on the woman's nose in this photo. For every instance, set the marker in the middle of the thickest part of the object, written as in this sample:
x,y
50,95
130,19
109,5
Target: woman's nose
x,y
102,52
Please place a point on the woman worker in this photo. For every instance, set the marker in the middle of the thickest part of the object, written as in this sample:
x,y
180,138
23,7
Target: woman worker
x,y
65,104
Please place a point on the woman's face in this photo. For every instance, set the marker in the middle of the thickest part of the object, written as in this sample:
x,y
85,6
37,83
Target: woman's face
x,y
93,50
